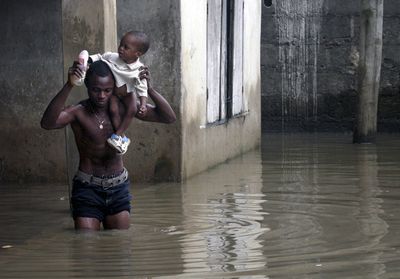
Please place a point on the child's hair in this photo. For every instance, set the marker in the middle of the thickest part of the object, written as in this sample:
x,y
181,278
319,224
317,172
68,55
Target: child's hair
x,y
98,68
144,42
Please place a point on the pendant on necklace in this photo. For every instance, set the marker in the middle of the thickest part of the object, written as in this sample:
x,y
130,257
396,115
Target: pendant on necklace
x,y
98,119
101,124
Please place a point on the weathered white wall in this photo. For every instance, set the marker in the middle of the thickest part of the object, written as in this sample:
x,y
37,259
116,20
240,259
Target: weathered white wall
x,y
204,146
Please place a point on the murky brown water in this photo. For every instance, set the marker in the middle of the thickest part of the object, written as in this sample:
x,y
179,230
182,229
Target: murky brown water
x,y
305,206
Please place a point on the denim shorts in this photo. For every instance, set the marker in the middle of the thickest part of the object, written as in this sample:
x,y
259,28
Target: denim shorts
x,y
94,201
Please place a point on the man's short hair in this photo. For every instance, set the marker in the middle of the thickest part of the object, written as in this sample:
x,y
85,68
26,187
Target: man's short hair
x,y
144,42
98,68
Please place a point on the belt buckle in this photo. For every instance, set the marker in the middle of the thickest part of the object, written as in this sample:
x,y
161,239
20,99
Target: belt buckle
x,y
107,183
91,179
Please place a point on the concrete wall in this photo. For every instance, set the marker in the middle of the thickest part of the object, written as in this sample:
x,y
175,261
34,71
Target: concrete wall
x,y
60,29
156,149
309,65
90,25
31,71
204,146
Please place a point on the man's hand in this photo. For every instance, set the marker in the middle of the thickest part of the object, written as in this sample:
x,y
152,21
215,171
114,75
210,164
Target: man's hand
x,y
56,115
76,71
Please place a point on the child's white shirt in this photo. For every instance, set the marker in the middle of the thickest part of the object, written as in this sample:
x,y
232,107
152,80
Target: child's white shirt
x,y
124,73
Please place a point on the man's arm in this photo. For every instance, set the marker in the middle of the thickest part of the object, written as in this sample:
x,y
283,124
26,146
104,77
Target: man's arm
x,y
56,116
162,110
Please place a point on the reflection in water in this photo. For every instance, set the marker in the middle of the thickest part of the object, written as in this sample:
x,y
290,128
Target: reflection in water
x,y
306,206
326,211
222,218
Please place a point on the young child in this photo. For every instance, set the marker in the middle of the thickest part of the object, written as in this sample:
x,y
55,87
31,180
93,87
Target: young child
x,y
126,66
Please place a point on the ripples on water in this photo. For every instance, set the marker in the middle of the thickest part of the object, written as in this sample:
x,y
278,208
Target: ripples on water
x,y
304,206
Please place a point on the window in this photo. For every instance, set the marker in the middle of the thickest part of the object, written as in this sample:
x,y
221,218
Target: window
x,y
268,3
224,59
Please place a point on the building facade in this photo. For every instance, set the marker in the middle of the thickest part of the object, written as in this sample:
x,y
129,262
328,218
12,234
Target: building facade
x,y
204,58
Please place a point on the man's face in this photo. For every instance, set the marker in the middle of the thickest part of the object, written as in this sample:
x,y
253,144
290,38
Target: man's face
x,y
128,50
100,90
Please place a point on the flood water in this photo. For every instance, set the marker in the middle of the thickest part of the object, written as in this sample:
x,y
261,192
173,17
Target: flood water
x,y
303,206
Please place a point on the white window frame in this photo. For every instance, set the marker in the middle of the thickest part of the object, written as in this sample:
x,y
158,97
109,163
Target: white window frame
x,y
224,60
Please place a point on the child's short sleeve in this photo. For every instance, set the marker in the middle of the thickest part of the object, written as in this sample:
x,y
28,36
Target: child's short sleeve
x,y
95,57
140,86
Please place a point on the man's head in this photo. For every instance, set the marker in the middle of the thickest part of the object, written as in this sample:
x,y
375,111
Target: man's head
x,y
100,83
133,45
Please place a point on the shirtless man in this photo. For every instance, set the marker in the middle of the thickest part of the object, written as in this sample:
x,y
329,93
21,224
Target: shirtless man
x,y
100,193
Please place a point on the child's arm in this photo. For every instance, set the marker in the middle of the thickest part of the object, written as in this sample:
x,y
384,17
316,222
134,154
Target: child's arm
x,y
143,105
98,56
162,110
141,89
94,58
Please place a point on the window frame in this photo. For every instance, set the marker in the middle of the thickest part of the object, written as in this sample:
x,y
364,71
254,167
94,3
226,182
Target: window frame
x,y
227,102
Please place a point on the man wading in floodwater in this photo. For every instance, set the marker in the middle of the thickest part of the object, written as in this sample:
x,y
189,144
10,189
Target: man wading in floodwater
x,y
100,192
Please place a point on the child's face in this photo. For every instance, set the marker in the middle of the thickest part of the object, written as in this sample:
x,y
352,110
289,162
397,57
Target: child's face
x,y
128,49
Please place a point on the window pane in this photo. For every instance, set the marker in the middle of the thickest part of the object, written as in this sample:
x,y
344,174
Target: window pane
x,y
214,27
237,58
224,59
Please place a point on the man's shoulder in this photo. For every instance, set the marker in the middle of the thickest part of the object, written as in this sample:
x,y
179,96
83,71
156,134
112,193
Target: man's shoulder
x,y
76,108
78,111
82,105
